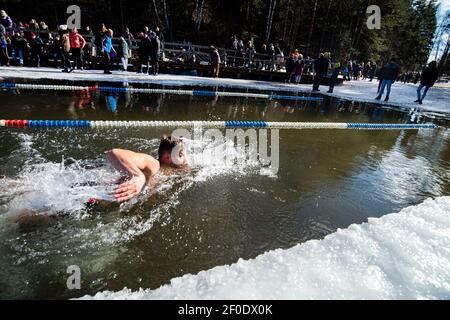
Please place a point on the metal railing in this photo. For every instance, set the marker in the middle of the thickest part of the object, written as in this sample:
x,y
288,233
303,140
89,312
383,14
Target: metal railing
x,y
188,53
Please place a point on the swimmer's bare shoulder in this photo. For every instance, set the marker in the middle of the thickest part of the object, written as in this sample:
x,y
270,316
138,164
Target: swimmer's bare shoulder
x,y
128,161
140,167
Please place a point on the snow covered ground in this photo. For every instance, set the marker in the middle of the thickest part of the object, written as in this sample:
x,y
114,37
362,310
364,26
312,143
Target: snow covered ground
x,y
437,100
405,255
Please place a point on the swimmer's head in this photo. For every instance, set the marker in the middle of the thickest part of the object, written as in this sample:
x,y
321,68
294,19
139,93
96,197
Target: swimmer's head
x,y
172,152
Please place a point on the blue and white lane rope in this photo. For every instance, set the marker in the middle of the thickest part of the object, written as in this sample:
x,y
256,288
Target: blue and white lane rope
x,y
209,124
204,93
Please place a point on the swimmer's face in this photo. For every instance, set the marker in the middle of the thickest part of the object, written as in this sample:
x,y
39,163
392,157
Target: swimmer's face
x,y
177,158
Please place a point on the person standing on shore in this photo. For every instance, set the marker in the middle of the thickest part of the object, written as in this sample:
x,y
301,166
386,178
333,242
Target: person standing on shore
x,y
4,58
373,70
320,69
279,56
388,75
107,50
299,67
334,76
348,76
129,38
366,70
6,21
36,50
77,44
155,50
271,53
65,48
427,80
290,65
215,61
144,52
124,53
19,46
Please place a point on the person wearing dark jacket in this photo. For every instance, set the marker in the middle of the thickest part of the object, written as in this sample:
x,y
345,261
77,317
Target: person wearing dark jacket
x,y
19,46
129,38
36,50
98,41
427,80
55,50
144,52
334,76
155,49
388,75
215,61
160,34
373,71
290,65
320,69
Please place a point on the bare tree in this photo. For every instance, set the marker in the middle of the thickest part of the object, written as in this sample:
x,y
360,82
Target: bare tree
x,y
288,11
166,18
269,23
322,37
295,23
440,32
444,57
155,8
360,24
199,13
311,29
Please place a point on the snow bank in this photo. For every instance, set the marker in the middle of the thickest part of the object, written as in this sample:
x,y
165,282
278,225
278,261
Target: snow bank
x,y
405,255
403,95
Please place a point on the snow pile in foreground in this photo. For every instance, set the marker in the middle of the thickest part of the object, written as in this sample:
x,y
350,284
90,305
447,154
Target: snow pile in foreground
x,y
405,255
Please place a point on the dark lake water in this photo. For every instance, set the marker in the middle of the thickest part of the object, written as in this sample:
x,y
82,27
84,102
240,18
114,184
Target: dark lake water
x,y
207,216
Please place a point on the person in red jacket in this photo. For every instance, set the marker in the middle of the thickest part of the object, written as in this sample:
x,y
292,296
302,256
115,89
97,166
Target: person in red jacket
x,y
77,44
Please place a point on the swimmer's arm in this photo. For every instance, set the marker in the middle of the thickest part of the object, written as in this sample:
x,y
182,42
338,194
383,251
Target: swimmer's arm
x,y
139,166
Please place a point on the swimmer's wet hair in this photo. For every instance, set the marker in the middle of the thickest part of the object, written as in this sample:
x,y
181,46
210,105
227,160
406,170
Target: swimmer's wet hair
x,y
167,144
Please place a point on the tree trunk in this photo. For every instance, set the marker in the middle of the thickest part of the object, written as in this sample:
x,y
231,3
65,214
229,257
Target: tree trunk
x,y
158,21
444,58
322,37
295,24
361,25
199,13
311,29
121,15
442,27
272,6
288,10
166,18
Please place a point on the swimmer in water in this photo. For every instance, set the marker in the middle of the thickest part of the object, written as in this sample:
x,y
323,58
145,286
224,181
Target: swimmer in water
x,y
141,168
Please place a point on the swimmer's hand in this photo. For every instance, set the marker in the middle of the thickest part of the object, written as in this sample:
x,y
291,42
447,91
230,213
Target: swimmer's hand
x,y
130,189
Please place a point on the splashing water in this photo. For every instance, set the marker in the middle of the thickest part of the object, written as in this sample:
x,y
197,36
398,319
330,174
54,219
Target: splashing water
x,y
62,188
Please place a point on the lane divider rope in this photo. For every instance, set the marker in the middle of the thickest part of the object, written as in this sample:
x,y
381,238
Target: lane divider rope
x,y
209,124
204,93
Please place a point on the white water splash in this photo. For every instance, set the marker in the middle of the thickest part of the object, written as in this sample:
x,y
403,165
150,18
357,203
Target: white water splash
x,y
62,188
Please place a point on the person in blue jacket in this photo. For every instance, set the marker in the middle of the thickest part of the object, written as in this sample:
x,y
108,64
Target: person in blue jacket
x,y
107,51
